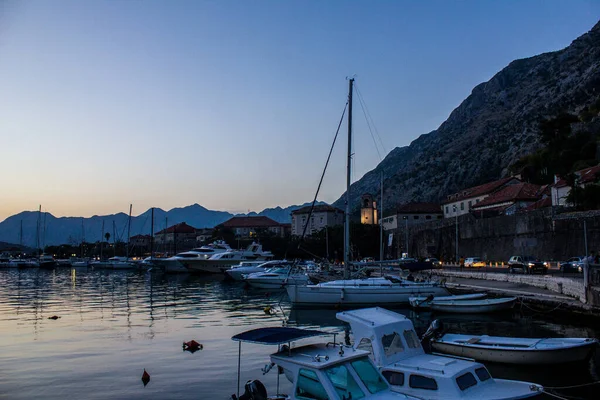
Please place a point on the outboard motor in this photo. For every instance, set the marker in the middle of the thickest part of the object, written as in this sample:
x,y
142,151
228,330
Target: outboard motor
x,y
434,329
254,390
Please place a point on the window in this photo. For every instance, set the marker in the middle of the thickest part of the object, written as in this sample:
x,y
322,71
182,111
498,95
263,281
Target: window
x,y
309,386
343,382
476,201
411,339
369,375
392,344
428,217
446,209
365,344
416,217
422,382
469,204
462,205
321,219
465,381
483,374
394,378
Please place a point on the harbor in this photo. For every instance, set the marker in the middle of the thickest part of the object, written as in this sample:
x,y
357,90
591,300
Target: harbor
x,y
111,325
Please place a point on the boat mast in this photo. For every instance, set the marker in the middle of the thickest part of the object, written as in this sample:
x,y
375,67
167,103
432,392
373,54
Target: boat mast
x,y
102,240
152,234
348,175
128,232
381,221
82,238
37,231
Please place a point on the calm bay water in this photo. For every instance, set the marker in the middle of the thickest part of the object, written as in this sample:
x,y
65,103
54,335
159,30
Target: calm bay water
x,y
112,325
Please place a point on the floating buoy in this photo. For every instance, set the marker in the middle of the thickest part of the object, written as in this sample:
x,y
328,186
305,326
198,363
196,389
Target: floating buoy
x,y
54,317
145,377
267,310
192,346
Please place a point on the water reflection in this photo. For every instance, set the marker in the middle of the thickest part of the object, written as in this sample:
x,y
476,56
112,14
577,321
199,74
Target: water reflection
x,y
116,323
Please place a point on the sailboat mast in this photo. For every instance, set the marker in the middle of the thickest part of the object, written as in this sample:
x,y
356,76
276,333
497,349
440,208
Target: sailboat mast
x,y
381,221
348,177
37,231
152,234
128,232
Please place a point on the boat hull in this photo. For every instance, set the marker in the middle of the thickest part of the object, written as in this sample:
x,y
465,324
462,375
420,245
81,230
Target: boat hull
x,y
527,356
315,295
473,307
275,283
424,302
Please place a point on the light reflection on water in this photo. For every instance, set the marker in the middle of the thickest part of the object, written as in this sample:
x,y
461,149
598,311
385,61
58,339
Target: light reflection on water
x,y
113,324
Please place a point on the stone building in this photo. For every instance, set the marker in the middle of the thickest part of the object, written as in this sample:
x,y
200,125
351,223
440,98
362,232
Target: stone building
x,y
368,210
561,189
247,227
323,216
460,203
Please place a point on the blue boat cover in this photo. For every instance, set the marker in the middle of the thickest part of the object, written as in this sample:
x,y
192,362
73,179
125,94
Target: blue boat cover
x,y
275,335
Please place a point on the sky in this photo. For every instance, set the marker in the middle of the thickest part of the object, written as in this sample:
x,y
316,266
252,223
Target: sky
x,y
234,104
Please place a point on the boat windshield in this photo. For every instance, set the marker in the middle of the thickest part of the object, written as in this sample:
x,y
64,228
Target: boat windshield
x,y
278,270
369,375
392,344
343,382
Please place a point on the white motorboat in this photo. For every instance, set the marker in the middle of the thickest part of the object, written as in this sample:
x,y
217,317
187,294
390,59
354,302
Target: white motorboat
x,y
177,263
354,292
317,371
516,350
237,272
115,263
277,278
473,306
396,350
220,262
47,261
424,302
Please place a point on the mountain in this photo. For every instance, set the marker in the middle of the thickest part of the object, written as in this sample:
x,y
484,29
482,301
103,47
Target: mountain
x,y
492,128
62,230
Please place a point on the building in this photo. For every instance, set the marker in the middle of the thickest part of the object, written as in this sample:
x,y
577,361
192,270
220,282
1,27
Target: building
x,y
561,189
411,214
140,241
322,216
461,202
204,235
368,210
179,233
248,227
511,199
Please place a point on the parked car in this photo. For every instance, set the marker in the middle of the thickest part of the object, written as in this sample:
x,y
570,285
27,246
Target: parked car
x,y
470,261
435,262
526,264
573,264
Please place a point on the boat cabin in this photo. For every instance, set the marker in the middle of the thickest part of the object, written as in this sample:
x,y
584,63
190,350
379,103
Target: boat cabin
x,y
321,371
396,350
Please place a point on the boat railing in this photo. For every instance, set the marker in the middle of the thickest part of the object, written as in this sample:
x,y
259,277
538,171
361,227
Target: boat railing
x,y
416,368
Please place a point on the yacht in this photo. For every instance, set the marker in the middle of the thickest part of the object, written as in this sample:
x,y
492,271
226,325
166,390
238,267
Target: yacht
x,y
177,263
115,263
47,261
277,277
316,371
237,272
220,262
396,350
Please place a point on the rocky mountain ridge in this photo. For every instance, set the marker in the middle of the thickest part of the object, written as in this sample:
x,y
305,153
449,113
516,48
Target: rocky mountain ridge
x,y
491,129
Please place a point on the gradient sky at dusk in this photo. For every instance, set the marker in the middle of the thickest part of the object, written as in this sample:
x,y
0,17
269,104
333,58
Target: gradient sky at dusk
x,y
233,104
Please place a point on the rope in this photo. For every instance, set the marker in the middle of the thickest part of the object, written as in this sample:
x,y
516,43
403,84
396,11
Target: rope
x,y
538,311
559,397
572,386
360,97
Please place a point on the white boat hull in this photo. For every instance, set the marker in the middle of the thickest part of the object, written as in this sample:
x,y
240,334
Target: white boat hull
x,y
351,295
530,356
276,283
473,306
237,274
424,302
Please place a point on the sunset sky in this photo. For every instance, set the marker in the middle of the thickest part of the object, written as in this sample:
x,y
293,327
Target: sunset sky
x,y
234,104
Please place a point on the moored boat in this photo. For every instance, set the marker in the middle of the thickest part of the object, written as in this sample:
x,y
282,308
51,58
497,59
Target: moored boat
x,y
277,278
397,352
516,350
237,272
473,306
424,302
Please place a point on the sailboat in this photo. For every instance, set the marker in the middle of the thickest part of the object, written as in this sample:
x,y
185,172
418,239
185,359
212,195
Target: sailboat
x,y
353,292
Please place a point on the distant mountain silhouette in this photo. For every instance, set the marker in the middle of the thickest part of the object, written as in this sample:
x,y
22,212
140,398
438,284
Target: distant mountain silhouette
x,y
64,230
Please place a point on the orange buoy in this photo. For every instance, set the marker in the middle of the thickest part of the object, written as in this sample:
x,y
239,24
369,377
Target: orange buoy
x,y
145,377
192,346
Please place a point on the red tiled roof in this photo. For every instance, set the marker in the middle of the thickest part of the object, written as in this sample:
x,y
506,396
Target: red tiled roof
x,y
586,175
318,208
178,228
541,203
520,191
419,208
480,190
250,222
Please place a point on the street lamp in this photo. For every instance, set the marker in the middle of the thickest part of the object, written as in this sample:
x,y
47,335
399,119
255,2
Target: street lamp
x,y
406,233
456,226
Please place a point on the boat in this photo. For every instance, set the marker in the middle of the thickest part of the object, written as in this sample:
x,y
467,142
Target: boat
x,y
511,350
47,261
283,275
115,263
352,292
424,302
220,262
473,306
317,371
396,350
237,272
176,263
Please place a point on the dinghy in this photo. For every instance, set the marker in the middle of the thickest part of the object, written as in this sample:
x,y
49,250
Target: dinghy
x,y
516,350
473,306
424,302
397,352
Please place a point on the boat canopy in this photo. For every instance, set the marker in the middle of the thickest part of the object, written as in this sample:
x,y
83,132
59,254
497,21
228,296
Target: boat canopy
x,y
276,335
